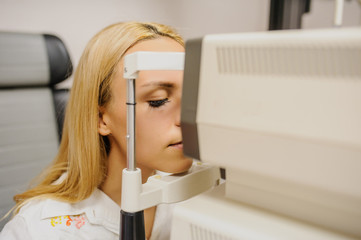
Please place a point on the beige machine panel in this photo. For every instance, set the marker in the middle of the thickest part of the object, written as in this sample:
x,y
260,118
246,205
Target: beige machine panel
x,y
281,112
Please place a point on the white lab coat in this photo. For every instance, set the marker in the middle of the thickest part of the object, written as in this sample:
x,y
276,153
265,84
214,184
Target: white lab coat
x,y
97,217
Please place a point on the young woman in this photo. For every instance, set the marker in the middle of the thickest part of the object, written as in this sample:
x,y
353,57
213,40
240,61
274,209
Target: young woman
x,y
79,196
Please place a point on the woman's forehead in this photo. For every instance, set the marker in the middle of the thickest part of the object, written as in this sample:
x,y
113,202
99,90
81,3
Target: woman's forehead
x,y
160,79
151,80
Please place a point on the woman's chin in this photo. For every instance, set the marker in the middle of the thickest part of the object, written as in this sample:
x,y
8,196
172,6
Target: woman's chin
x,y
179,166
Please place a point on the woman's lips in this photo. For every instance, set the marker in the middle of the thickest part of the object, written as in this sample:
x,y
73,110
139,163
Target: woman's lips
x,y
178,145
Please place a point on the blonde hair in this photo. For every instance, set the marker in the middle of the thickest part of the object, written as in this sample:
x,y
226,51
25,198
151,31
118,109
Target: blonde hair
x,y
82,153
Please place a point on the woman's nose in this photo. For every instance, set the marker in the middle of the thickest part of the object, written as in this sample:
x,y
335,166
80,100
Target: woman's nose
x,y
178,118
178,113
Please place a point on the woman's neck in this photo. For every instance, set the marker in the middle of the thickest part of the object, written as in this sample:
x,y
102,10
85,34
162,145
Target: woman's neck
x,y
112,186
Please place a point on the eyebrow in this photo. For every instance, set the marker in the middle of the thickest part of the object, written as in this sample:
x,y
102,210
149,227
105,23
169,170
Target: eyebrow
x,y
159,84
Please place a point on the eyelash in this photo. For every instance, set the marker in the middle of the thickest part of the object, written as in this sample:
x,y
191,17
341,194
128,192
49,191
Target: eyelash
x,y
158,103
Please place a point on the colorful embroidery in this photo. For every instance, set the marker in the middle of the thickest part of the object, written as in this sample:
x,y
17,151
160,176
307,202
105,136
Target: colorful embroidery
x,y
68,222
55,220
78,221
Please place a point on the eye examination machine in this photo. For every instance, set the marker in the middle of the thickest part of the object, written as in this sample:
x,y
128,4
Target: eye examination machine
x,y
280,111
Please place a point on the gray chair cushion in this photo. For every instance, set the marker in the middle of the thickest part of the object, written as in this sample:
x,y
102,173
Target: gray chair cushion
x,y
30,66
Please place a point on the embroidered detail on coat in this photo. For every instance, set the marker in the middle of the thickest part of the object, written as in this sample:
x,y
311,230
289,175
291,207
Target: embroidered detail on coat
x,y
77,220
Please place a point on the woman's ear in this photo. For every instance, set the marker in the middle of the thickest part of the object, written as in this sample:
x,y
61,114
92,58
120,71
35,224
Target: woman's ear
x,y
103,124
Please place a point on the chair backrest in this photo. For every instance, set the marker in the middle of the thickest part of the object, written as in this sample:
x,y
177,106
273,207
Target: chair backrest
x,y
30,107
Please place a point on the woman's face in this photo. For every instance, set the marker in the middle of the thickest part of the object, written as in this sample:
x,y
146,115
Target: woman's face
x,y
158,97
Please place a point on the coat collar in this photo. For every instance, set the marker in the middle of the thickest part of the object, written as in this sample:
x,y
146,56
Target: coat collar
x,y
98,208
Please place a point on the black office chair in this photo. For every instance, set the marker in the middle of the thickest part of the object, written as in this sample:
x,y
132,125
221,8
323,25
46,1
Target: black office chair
x,y
31,108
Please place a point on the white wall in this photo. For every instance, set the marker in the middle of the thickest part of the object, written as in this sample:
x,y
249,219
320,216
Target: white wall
x,y
76,21
322,14
199,17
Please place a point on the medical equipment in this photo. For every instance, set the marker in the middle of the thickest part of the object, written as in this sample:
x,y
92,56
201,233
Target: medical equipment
x,y
158,189
281,112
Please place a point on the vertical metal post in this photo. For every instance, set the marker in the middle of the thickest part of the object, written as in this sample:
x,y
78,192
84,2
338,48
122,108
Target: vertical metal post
x,y
132,223
131,163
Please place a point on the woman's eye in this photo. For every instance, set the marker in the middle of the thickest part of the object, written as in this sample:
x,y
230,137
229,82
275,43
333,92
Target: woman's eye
x,y
158,103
